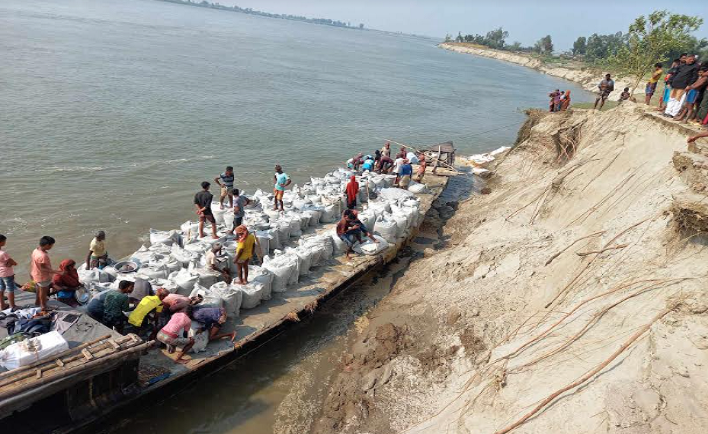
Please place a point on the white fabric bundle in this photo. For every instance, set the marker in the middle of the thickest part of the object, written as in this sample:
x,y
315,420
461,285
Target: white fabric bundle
x,y
369,247
218,213
283,268
32,350
417,188
153,273
184,257
264,277
264,239
164,237
207,277
200,339
185,281
387,229
329,214
230,295
252,294
395,194
304,256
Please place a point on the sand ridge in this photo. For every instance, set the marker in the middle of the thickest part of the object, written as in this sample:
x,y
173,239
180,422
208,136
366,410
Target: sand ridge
x,y
573,258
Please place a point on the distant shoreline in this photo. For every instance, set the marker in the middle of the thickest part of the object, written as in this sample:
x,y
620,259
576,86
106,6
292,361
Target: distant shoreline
x,y
586,77
249,11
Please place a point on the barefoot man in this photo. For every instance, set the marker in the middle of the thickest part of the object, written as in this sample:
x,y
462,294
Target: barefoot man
x,y
202,202
172,335
282,180
244,252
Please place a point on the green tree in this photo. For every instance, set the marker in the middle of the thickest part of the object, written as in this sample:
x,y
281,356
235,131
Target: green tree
x,y
650,39
448,38
459,37
544,45
516,46
579,46
496,38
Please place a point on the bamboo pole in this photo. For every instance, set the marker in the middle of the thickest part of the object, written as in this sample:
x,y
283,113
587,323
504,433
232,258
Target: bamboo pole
x,y
418,150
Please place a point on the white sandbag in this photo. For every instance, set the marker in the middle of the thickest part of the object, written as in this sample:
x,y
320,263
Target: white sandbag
x,y
142,255
262,276
184,257
412,158
370,248
387,229
201,338
275,239
252,294
304,256
338,245
418,188
264,239
395,194
314,214
207,277
153,273
190,229
164,237
197,247
167,262
161,249
230,295
329,214
229,219
88,277
111,271
282,267
33,350
368,219
218,213
170,285
295,227
401,223
185,281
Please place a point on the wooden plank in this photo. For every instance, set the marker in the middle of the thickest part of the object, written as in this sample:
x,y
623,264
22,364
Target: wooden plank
x,y
87,354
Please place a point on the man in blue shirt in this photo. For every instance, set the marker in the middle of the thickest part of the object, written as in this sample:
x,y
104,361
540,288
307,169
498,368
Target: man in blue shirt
x,y
281,180
406,173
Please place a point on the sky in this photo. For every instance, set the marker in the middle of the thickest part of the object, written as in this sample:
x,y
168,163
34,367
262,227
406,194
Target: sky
x,y
525,20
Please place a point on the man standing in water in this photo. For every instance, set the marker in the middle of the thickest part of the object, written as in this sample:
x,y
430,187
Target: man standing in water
x,y
202,202
97,255
606,87
226,183
282,180
41,271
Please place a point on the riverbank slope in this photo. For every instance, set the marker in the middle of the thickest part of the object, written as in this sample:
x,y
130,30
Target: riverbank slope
x,y
570,299
587,77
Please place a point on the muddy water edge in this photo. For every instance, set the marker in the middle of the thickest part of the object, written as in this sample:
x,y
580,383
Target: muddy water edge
x,y
281,386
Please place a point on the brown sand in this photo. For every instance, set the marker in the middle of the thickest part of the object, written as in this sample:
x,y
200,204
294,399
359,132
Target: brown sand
x,y
577,248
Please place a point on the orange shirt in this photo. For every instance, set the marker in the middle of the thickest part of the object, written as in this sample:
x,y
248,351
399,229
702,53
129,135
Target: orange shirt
x,y
40,266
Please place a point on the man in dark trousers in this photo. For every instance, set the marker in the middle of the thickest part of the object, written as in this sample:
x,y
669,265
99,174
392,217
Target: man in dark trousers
x,y
202,202
606,87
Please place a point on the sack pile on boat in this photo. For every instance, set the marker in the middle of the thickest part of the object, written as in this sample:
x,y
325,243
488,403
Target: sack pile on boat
x,y
175,259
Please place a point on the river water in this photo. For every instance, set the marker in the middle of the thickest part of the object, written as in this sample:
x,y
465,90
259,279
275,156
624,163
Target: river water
x,y
113,112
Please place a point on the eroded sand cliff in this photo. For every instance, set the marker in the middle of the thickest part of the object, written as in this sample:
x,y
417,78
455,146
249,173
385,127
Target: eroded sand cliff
x,y
572,299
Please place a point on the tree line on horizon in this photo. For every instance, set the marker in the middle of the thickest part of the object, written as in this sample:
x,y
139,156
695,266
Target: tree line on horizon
x,y
250,11
666,36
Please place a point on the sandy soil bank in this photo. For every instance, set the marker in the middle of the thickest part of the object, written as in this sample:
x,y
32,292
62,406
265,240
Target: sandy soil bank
x,y
572,299
587,78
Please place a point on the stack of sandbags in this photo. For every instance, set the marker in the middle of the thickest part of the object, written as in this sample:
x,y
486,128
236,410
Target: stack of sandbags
x,y
283,267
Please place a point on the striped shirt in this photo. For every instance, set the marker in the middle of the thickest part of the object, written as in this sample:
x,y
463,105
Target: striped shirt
x,y
227,180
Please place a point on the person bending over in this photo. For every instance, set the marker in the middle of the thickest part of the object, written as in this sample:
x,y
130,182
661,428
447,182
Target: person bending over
x,y
172,335
215,262
212,319
349,230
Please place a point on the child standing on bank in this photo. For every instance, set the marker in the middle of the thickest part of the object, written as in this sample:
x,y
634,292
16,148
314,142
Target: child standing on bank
x,y
7,277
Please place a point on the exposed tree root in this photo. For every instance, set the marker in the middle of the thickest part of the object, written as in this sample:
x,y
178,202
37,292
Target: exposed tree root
x,y
589,374
597,252
552,258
